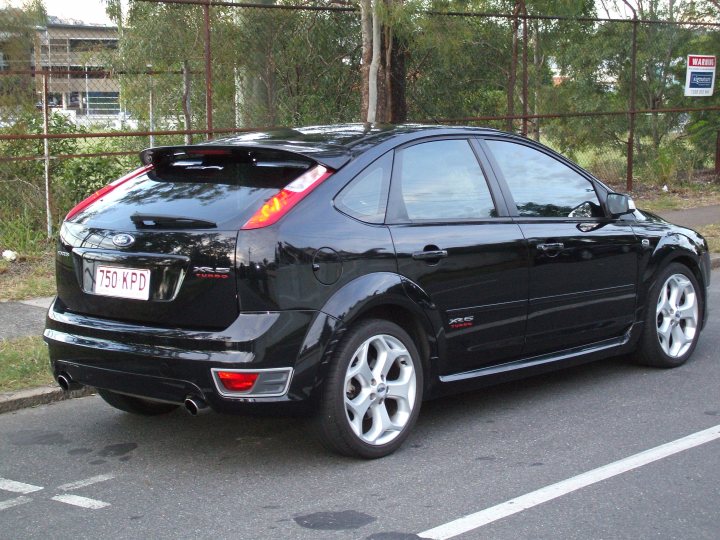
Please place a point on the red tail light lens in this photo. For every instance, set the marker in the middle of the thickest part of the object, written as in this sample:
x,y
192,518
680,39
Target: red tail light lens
x,y
237,381
280,204
82,205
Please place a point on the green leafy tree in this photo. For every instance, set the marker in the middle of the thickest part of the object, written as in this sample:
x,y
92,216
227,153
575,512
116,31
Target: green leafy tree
x,y
18,41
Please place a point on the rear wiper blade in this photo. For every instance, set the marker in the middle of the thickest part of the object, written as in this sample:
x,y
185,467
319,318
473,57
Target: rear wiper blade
x,y
148,221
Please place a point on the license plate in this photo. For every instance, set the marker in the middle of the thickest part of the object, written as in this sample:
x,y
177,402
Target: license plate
x,y
122,282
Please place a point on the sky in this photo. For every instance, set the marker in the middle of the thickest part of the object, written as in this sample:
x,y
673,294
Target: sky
x,y
89,11
93,11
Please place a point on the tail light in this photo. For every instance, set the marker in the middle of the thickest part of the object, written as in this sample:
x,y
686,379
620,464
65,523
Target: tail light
x,y
82,205
280,204
237,381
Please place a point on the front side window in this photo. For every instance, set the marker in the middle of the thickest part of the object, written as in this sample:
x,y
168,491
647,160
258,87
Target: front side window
x,y
442,180
543,186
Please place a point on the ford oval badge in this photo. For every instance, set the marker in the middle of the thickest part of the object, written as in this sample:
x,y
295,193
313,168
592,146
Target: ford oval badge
x,y
123,240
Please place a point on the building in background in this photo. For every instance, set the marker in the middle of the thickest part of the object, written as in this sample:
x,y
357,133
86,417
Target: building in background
x,y
77,55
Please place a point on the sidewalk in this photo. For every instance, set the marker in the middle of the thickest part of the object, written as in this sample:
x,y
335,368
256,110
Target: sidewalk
x,y
24,318
694,217
27,318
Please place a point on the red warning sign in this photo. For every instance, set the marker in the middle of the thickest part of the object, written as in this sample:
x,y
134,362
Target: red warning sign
x,y
701,61
700,75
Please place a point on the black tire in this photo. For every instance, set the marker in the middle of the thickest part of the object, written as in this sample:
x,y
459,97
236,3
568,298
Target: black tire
x,y
134,405
383,392
655,349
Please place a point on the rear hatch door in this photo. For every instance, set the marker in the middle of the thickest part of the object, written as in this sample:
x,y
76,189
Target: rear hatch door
x,y
159,249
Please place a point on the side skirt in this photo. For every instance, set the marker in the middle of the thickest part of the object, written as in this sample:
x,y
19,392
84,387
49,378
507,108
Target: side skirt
x,y
584,353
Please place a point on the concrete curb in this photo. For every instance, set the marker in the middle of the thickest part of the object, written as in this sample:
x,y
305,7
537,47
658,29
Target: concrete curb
x,y
33,397
22,399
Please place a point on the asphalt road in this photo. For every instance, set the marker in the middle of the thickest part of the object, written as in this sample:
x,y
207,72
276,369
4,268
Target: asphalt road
x,y
79,469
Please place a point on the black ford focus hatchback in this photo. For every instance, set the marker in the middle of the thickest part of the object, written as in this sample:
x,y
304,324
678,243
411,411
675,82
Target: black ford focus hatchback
x,y
362,270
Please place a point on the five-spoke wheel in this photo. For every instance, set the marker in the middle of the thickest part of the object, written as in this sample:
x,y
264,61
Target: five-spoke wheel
x,y
673,320
373,391
380,387
676,315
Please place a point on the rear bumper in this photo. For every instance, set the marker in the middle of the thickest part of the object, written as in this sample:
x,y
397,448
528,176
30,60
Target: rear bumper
x,y
171,364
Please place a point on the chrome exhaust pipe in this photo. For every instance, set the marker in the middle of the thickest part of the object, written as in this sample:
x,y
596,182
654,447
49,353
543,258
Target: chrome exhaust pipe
x,y
196,406
67,384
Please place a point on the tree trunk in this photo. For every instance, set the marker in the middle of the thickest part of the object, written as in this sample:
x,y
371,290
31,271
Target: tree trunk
x,y
398,103
366,31
373,74
383,69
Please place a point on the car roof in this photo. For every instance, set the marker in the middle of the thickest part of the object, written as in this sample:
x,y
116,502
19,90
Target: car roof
x,y
331,145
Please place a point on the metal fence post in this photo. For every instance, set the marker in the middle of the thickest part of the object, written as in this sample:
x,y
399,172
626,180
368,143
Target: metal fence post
x,y
208,71
525,70
151,105
633,84
513,68
46,153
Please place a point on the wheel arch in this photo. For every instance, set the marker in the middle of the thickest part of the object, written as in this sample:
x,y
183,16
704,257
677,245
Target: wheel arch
x,y
668,252
664,255
408,321
381,295
693,265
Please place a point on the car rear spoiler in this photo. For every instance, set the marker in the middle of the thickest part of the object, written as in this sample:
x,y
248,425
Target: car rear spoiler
x,y
328,156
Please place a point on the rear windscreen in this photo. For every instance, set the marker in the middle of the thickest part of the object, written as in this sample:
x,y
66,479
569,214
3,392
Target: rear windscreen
x,y
220,188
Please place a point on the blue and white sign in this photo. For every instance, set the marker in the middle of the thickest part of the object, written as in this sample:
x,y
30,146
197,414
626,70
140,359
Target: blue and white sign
x,y
700,79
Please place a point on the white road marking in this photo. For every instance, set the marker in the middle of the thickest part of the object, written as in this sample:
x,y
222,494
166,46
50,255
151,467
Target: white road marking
x,y
553,491
17,487
17,501
87,482
83,502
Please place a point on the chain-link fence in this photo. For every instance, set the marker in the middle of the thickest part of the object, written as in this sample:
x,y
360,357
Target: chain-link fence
x,y
78,101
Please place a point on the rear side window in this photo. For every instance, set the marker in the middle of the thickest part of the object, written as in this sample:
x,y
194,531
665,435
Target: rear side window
x,y
210,186
442,180
365,198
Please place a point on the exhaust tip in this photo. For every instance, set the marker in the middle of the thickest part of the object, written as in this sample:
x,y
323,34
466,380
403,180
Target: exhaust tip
x,y
66,383
195,406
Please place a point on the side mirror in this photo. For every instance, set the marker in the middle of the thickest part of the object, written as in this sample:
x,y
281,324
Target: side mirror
x,y
619,204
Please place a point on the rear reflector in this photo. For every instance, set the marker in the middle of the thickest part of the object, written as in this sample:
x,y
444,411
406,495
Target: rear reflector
x,y
82,205
280,204
237,381
252,383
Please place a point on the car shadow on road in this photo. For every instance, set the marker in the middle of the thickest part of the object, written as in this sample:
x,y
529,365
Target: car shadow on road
x,y
278,437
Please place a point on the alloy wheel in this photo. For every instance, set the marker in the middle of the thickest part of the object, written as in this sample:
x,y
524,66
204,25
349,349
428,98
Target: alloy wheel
x,y
380,389
677,315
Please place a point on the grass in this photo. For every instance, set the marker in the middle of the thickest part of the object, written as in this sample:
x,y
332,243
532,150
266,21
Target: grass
x,y
677,198
702,190
24,363
29,276
712,235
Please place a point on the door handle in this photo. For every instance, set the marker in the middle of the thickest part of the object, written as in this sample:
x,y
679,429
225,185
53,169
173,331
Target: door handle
x,y
430,255
556,246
